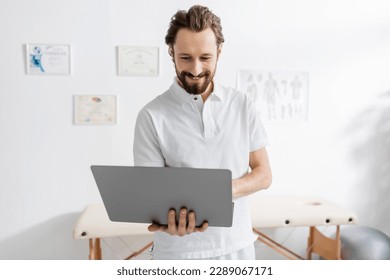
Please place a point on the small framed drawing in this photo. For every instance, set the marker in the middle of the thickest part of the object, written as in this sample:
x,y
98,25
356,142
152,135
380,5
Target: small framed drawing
x,y
94,109
138,61
48,59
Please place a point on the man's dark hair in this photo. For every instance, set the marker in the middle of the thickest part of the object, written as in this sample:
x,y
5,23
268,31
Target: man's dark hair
x,y
197,19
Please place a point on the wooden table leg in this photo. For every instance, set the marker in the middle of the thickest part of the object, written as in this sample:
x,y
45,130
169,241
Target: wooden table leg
x,y
328,248
139,251
95,251
276,246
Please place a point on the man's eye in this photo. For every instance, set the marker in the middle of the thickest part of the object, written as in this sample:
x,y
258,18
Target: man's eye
x,y
205,58
185,58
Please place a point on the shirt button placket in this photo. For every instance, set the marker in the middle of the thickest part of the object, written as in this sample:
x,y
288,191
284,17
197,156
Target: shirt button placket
x,y
207,122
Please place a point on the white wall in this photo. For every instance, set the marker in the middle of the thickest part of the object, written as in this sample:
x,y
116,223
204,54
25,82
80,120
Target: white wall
x,y
342,153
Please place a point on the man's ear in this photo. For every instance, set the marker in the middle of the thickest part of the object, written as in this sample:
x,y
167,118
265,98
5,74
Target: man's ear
x,y
219,50
170,51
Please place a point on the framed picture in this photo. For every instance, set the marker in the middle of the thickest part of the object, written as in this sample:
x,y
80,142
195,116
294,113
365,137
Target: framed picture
x,y
48,59
138,61
94,109
279,96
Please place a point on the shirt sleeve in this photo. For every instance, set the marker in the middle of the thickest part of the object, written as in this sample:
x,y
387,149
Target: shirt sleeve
x,y
146,148
257,135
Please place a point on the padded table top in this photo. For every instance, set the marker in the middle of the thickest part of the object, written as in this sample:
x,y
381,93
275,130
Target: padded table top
x,y
94,223
270,211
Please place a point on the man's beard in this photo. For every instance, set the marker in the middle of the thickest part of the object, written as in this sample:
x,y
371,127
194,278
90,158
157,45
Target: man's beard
x,y
196,87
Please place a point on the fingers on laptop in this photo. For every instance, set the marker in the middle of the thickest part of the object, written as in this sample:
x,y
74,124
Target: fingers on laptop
x,y
156,227
185,225
191,222
202,228
182,225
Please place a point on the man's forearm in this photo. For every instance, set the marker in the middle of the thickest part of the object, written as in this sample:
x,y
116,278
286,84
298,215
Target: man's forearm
x,y
258,179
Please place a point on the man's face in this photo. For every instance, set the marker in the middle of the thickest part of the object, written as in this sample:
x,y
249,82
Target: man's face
x,y
195,55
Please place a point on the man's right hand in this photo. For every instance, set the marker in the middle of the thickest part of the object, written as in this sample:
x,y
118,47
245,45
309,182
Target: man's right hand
x,y
182,227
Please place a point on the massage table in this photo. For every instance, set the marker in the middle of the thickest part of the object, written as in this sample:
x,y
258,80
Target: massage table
x,y
268,211
281,211
93,224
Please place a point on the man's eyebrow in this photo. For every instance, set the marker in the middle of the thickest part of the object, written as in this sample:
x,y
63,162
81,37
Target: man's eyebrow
x,y
203,54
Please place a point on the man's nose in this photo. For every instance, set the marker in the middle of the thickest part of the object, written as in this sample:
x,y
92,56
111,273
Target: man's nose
x,y
196,67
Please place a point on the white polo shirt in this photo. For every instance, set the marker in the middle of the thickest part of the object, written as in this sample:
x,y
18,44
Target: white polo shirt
x,y
177,129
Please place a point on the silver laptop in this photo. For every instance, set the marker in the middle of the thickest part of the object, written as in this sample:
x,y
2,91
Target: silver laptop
x,y
145,194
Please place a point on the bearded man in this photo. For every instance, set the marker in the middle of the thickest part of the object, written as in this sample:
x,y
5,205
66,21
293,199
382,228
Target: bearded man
x,y
198,123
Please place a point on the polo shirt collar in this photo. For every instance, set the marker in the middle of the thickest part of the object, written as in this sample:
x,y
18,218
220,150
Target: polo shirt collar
x,y
184,97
